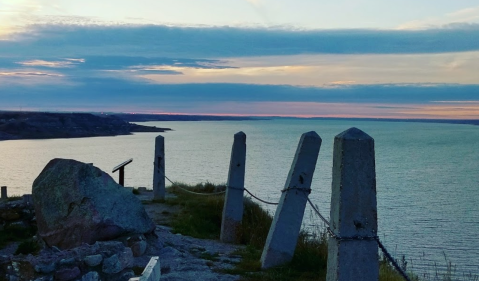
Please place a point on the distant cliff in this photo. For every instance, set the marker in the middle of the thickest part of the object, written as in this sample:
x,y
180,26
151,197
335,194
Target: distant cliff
x,y
43,125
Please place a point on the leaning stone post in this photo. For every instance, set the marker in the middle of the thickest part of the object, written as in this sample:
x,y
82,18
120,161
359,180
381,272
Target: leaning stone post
x,y
353,253
4,192
159,190
284,231
233,208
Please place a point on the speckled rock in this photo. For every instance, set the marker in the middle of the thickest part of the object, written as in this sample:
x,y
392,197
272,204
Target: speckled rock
x,y
78,203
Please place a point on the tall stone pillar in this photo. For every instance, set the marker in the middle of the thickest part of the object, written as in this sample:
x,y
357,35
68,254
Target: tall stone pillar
x,y
353,253
159,190
233,207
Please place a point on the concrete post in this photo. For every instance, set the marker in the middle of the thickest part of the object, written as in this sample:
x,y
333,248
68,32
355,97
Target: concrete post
x,y
233,207
353,254
152,271
4,192
159,190
284,232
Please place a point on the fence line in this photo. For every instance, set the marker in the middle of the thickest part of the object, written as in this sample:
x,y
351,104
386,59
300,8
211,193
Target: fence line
x,y
333,235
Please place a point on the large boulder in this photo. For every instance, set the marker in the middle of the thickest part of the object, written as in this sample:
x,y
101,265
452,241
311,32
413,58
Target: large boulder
x,y
78,203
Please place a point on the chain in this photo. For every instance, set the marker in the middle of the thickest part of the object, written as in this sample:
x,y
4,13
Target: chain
x,y
392,261
351,238
192,192
259,199
252,195
308,190
318,213
362,238
197,193
168,179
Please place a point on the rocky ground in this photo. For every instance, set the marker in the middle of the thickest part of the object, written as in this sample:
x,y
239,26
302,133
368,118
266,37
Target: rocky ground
x,y
187,258
181,257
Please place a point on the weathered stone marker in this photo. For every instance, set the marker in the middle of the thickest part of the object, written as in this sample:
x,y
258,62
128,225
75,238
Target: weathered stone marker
x,y
233,207
284,231
4,192
353,254
159,190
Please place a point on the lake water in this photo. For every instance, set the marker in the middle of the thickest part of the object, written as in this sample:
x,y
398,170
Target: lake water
x,y
427,174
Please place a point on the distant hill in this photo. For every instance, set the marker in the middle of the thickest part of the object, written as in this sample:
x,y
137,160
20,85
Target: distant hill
x,y
45,125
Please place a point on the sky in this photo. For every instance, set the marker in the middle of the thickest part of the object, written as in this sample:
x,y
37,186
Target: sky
x,y
343,58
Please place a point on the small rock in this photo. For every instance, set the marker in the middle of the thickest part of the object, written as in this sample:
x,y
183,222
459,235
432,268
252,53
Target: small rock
x,y
69,261
12,278
138,248
67,273
126,258
93,260
9,215
45,268
169,252
91,276
18,224
112,265
127,275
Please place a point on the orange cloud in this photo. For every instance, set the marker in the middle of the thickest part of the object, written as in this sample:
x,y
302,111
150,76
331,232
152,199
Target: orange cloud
x,y
327,70
339,110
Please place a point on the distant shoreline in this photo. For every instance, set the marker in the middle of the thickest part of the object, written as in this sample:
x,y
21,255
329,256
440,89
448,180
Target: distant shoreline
x,y
446,121
173,117
47,125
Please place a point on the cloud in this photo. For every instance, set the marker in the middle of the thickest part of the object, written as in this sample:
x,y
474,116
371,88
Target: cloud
x,y
332,70
108,87
52,64
27,73
468,17
216,42
194,70
398,101
254,2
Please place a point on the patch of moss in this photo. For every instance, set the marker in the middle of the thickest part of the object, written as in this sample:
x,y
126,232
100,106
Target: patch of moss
x,y
16,233
29,246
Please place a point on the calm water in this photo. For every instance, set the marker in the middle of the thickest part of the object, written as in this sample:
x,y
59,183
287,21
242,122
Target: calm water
x,y
427,174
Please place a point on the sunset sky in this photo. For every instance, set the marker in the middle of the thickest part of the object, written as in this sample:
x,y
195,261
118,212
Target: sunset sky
x,y
343,58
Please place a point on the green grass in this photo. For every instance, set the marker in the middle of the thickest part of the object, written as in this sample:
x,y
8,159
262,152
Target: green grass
x,y
15,234
28,246
200,217
14,198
